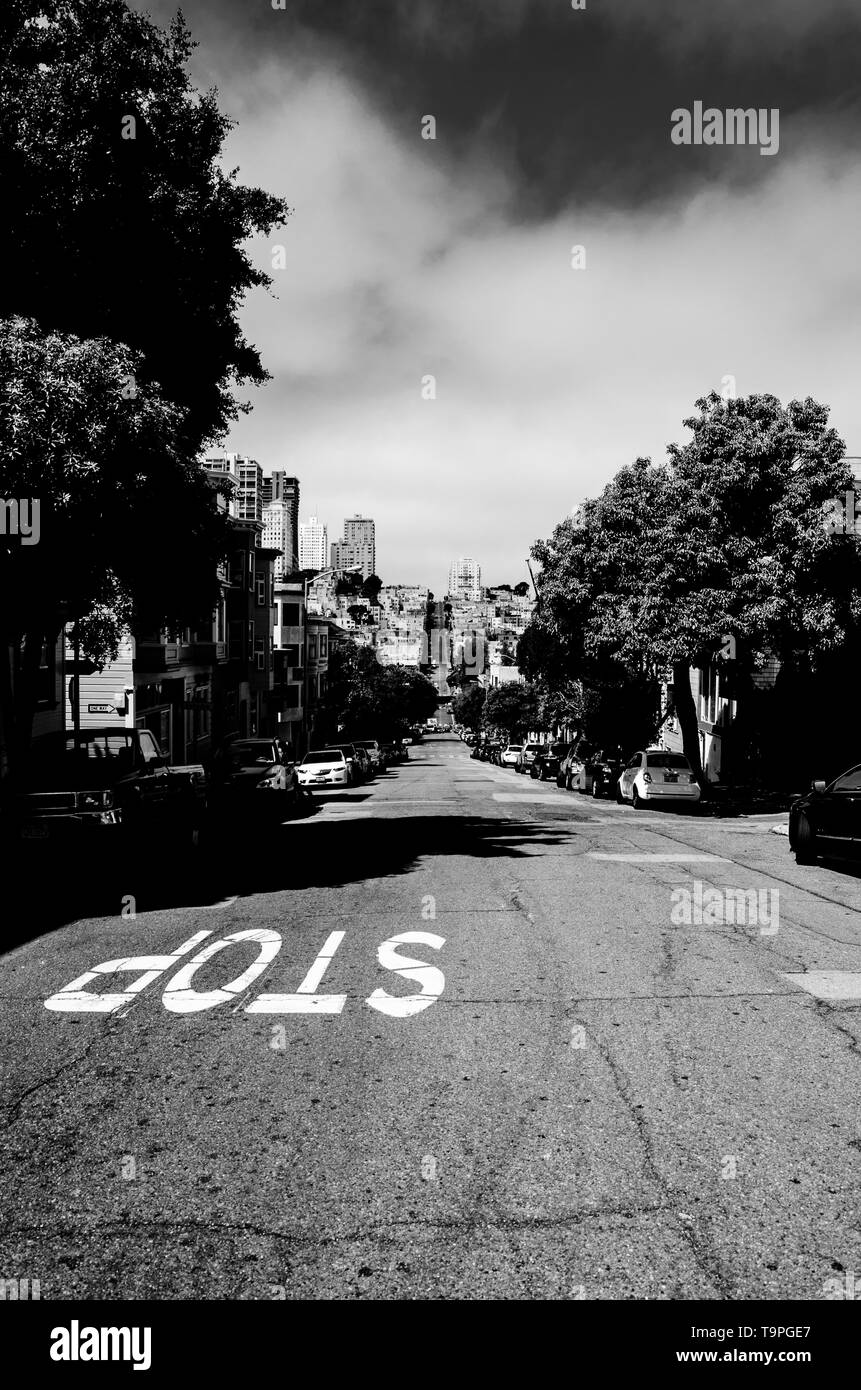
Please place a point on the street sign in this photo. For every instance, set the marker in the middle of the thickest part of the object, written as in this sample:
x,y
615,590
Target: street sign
x,y
101,709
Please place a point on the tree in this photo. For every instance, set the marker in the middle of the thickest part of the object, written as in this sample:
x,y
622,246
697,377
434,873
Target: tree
x,y
726,537
522,589
371,588
109,471
349,584
119,220
123,248
373,701
467,707
512,708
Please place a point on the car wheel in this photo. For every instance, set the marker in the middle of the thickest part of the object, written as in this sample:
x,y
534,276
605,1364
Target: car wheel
x,y
619,794
596,790
560,781
636,800
805,842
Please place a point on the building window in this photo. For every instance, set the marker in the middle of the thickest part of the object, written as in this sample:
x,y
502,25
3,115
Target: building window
x,y
291,614
324,646
312,647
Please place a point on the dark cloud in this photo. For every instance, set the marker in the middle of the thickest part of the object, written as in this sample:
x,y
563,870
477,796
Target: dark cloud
x,y
575,105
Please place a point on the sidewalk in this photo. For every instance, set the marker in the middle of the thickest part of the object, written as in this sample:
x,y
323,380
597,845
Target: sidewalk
x,y
721,801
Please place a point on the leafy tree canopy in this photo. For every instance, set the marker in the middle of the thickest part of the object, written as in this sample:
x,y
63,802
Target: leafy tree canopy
x,y
119,221
513,708
727,536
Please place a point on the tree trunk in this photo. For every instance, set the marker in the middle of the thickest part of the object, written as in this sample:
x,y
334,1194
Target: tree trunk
x,y
686,710
19,671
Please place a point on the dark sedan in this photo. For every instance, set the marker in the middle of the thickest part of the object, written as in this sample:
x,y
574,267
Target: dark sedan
x,y
604,770
548,761
827,820
256,774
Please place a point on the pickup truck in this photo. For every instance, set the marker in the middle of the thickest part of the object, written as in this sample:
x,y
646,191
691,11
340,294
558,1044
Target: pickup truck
x,y
112,784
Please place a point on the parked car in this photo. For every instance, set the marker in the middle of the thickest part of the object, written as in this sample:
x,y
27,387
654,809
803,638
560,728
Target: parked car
x,y
114,782
604,770
254,775
357,760
325,767
528,753
655,774
572,768
827,820
509,755
374,752
547,763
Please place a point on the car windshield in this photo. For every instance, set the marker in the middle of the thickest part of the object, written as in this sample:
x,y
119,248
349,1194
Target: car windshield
x,y
250,754
533,747
849,781
677,761
96,747
325,755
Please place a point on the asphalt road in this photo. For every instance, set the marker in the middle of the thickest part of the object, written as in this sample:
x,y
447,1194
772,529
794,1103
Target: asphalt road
x,y
591,1100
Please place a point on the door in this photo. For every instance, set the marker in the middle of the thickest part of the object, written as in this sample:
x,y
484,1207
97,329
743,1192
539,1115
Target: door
x,y
631,770
836,815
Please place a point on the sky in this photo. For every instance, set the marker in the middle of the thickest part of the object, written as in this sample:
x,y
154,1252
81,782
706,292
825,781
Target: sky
x,y
406,257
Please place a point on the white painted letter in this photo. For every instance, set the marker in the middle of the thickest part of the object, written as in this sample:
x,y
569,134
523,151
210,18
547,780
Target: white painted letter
x,y
305,1001
77,999
431,979
180,998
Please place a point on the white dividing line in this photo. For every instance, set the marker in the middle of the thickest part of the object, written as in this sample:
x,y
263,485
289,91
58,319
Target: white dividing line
x,y
662,858
828,984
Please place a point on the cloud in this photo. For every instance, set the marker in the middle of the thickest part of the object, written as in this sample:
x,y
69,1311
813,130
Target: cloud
x,y
407,257
548,379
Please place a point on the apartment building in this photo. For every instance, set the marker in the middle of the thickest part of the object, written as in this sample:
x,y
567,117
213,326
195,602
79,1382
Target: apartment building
x,y
313,544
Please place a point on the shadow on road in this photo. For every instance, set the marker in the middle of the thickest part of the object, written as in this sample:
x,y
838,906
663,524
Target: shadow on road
x,y
243,859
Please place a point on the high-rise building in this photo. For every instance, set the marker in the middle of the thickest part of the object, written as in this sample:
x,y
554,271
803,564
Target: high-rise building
x,y
280,495
313,544
464,579
247,501
358,548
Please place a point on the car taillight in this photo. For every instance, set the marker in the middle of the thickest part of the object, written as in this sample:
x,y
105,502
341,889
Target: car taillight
x,y
647,776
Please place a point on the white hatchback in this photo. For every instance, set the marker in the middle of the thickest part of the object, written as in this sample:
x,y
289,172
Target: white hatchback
x,y
657,775
508,757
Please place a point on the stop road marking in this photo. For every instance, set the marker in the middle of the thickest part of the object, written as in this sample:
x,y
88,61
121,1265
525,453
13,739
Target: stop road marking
x,y
180,996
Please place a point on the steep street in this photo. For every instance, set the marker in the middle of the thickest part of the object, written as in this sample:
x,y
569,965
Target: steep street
x,y
591,1100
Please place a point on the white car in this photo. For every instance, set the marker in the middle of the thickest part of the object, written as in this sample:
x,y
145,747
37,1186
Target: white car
x,y
509,755
657,775
325,767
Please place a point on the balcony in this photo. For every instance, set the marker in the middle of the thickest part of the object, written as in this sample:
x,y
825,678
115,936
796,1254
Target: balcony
x,y
207,653
160,656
